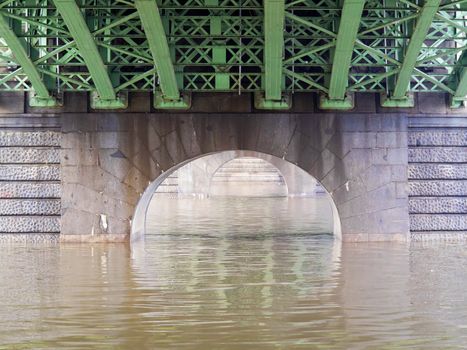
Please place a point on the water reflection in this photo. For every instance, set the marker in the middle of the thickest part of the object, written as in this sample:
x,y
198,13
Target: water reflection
x,y
208,289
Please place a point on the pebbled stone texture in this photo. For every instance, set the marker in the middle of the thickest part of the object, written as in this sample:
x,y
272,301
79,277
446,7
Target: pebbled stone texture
x,y
29,207
30,190
438,138
29,138
438,171
438,155
41,238
18,155
438,188
438,205
29,172
447,236
29,224
433,188
438,222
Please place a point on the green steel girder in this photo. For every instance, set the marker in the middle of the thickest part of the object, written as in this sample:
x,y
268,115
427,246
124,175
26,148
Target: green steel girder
x,y
347,35
273,48
223,45
459,97
79,30
423,24
41,96
157,41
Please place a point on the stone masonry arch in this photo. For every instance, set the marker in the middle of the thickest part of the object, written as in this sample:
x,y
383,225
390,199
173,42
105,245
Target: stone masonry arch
x,y
108,160
204,170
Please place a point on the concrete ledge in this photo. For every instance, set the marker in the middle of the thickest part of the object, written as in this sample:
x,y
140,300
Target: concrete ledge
x,y
103,238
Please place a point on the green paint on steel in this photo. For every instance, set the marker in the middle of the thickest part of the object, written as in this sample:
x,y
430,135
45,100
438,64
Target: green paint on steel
x,y
88,50
273,48
20,55
423,24
220,45
347,35
154,30
460,95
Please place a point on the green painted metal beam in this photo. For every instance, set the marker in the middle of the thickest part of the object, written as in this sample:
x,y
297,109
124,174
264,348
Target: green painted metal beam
x,y
460,96
347,35
423,23
42,97
154,30
74,20
274,15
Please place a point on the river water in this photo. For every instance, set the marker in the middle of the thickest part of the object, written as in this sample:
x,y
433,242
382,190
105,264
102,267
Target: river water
x,y
234,274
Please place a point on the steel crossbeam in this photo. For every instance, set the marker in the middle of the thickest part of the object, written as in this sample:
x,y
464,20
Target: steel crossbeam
x,y
271,47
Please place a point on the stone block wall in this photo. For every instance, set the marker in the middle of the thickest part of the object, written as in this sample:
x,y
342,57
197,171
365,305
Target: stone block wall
x,y
438,178
30,188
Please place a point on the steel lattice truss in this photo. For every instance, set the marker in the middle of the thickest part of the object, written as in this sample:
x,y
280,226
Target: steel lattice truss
x,y
271,47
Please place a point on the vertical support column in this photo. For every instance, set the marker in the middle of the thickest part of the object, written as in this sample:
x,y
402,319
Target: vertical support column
x,y
347,35
274,17
169,97
106,97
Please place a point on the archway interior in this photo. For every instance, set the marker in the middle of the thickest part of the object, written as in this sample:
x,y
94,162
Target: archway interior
x,y
242,192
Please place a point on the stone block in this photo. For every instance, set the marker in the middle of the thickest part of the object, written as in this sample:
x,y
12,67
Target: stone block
x,y
402,190
221,103
29,207
376,176
29,138
438,155
437,137
438,205
79,122
29,172
437,171
174,147
78,222
391,140
114,162
29,224
79,156
399,172
30,238
358,123
389,156
432,103
438,222
12,102
113,122
394,122
28,155
30,190
438,188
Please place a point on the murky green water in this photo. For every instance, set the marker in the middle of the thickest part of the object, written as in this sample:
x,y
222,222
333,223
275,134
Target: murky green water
x,y
218,284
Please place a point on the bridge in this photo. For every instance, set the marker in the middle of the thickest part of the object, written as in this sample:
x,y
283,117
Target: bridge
x,y
99,98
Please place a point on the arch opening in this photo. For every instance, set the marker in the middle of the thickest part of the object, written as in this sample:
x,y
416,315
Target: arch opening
x,y
236,174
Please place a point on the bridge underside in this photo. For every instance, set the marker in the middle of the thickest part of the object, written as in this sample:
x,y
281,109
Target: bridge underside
x,y
272,48
77,175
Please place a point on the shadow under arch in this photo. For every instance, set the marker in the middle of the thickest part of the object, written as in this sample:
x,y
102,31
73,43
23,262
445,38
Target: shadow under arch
x,y
138,225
